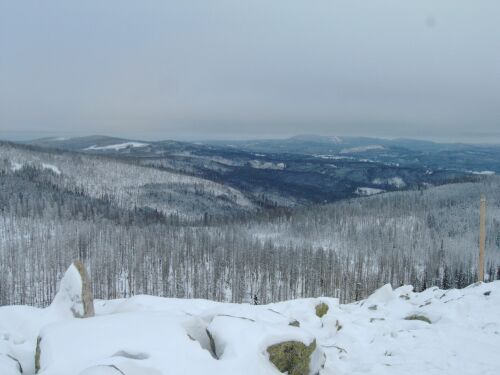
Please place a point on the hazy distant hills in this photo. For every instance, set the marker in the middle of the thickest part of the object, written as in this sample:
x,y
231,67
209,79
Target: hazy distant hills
x,y
462,157
311,144
302,169
171,217
399,150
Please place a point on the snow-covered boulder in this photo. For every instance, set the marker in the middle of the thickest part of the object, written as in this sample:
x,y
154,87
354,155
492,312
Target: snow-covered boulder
x,y
128,369
145,335
134,343
9,364
75,292
381,296
247,343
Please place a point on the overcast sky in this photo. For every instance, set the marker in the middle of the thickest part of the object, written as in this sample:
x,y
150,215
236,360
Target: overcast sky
x,y
242,69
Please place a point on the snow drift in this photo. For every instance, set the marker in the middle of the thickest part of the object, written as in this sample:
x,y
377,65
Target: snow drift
x,y
394,331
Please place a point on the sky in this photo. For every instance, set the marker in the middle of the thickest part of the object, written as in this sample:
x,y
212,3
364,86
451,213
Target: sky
x,y
229,69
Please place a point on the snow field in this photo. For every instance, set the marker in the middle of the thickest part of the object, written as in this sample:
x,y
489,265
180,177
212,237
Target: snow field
x,y
391,332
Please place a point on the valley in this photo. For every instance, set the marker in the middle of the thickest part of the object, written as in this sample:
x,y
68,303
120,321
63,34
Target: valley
x,y
200,221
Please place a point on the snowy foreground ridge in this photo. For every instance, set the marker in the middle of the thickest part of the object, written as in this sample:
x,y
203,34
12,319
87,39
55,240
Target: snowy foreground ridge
x,y
392,332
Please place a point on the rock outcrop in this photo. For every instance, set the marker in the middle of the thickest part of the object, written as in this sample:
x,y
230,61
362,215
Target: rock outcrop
x,y
38,353
75,292
420,317
292,357
321,309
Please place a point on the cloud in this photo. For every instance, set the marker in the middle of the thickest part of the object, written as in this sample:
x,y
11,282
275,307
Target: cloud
x,y
210,69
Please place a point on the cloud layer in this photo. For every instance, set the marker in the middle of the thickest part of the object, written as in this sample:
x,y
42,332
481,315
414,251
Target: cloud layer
x,y
228,68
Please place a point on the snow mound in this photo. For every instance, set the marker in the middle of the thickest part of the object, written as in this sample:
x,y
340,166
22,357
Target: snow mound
x,y
9,364
394,331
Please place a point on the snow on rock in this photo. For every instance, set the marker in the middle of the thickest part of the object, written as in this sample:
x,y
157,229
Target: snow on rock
x,y
382,295
242,343
155,342
127,369
9,364
394,331
19,328
117,147
75,292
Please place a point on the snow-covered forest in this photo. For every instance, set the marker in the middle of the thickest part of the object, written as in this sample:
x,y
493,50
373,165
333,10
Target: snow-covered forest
x,y
201,239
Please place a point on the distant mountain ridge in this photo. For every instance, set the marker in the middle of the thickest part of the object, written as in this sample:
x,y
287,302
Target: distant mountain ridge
x,y
299,170
303,141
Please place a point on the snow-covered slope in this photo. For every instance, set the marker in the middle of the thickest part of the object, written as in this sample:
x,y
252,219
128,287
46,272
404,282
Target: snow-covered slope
x,y
392,332
129,185
119,146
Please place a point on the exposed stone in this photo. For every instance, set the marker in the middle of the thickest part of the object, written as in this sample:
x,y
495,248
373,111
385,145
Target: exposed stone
x,y
75,293
196,330
103,369
292,357
419,317
294,323
321,309
129,355
38,352
338,325
213,348
87,297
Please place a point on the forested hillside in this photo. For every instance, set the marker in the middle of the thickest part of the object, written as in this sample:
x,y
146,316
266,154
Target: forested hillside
x,y
124,184
299,171
59,206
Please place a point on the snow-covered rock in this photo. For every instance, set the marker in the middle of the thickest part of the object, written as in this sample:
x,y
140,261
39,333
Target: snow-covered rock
x,y
152,336
75,292
9,364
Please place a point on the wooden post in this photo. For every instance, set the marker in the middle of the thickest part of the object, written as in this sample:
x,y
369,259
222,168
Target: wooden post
x,y
482,237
